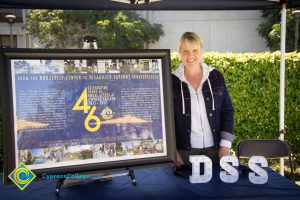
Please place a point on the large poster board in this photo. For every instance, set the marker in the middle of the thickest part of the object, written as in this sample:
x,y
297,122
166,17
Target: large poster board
x,y
80,110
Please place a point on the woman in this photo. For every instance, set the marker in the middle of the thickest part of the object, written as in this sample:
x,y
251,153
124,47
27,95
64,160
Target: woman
x,y
204,118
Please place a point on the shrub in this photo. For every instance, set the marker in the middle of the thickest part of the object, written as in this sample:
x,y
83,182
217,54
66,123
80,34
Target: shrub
x,y
253,82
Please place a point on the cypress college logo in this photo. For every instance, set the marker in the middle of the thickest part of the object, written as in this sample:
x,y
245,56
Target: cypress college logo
x,y
22,176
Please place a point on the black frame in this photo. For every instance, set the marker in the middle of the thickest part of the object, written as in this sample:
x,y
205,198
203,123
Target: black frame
x,y
8,113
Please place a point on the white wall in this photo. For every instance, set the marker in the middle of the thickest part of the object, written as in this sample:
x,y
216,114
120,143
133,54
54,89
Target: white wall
x,y
222,31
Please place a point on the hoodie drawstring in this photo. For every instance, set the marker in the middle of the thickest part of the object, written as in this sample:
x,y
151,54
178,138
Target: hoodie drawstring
x,y
212,95
211,92
182,96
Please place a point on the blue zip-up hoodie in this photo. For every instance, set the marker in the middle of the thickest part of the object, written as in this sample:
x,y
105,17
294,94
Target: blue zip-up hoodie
x,y
218,105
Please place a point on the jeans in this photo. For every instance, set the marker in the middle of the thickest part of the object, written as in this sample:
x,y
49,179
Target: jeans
x,y
211,152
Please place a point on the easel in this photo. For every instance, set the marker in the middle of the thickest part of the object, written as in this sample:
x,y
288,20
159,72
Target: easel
x,y
130,173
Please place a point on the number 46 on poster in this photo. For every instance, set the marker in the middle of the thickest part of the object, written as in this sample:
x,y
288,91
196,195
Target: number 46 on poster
x,y
82,105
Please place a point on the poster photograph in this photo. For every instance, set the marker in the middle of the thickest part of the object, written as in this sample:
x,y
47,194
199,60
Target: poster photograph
x,y
87,109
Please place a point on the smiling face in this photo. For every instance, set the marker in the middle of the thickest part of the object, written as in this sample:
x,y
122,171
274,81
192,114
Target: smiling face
x,y
190,53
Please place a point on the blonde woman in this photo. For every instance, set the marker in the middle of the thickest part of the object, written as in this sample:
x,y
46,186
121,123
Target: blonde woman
x,y
204,117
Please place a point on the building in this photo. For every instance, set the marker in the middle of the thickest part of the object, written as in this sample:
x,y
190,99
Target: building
x,y
222,31
20,40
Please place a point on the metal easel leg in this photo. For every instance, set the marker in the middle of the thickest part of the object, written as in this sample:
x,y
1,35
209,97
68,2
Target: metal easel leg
x,y
131,174
58,185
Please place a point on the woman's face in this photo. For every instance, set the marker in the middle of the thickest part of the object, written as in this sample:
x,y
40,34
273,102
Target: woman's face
x,y
190,54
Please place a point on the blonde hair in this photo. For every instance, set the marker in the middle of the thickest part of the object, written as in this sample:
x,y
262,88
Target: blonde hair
x,y
191,38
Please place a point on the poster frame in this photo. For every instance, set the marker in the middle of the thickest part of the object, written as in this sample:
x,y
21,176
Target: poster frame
x,y
8,121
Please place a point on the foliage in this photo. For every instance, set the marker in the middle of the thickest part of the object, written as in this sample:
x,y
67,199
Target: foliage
x,y
126,29
253,82
113,29
175,61
270,29
86,154
29,158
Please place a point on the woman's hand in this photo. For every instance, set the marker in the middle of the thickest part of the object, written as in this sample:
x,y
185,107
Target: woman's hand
x,y
179,161
223,151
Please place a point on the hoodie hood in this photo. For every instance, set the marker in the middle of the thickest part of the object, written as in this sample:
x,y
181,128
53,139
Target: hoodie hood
x,y
206,69
179,72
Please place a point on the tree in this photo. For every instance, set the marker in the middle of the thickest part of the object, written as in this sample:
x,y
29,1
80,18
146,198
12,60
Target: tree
x,y
28,160
270,29
86,154
114,29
